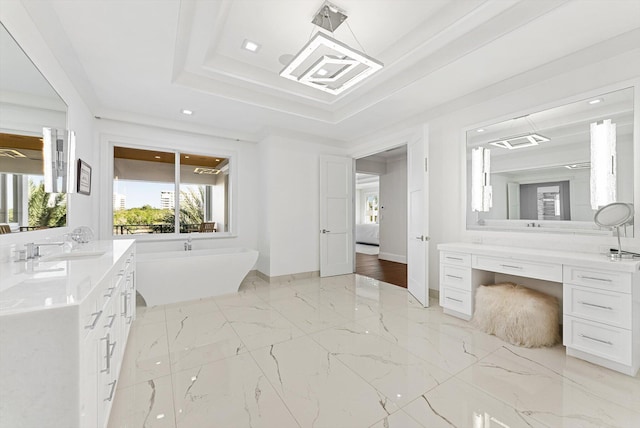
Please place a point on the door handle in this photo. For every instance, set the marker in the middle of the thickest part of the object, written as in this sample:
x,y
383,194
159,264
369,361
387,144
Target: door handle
x,y
422,238
325,231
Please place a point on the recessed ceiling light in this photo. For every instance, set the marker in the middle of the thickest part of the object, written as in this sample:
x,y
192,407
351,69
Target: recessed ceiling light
x,y
480,130
596,101
157,157
322,72
250,46
186,156
187,112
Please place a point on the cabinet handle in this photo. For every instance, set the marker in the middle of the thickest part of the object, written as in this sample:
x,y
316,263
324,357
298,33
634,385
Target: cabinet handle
x,y
129,316
454,258
109,292
125,304
511,266
113,389
593,278
606,342
107,368
110,323
112,349
453,276
596,306
455,300
95,320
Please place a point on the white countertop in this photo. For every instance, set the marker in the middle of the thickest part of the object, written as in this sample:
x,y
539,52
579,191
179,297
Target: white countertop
x,y
44,284
600,261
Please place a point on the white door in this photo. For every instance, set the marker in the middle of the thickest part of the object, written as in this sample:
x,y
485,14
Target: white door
x,y
336,215
418,222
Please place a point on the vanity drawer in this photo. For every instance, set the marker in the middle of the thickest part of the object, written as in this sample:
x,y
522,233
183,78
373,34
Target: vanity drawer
x,y
604,341
598,305
456,277
456,300
452,258
596,278
546,271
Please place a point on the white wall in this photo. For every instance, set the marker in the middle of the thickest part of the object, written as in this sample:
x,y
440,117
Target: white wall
x,y
289,217
81,208
393,212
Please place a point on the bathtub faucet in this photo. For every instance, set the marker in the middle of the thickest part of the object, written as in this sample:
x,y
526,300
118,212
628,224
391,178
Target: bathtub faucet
x,y
33,249
187,245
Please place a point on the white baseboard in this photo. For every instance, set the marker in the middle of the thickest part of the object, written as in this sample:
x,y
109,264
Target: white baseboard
x,y
393,257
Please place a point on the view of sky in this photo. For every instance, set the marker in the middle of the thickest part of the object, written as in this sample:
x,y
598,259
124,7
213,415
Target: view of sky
x,y
141,193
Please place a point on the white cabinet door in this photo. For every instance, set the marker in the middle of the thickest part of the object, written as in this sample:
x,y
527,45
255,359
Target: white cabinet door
x,y
336,214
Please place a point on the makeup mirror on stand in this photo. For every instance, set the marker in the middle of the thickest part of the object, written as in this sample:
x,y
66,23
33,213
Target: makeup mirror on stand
x,y
615,215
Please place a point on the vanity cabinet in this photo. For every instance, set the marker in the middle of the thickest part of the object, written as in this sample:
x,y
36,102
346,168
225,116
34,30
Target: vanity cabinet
x,y
598,320
601,298
458,283
62,346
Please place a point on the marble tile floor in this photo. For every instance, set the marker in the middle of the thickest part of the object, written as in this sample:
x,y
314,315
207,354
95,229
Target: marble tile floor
x,y
349,352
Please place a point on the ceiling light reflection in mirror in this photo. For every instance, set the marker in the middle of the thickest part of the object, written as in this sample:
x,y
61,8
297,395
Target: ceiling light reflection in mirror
x,y
545,172
28,103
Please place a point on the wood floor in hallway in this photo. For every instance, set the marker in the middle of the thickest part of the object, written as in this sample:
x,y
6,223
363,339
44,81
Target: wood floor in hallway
x,y
383,270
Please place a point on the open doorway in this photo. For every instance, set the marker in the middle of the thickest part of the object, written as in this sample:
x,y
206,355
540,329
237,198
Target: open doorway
x,y
381,216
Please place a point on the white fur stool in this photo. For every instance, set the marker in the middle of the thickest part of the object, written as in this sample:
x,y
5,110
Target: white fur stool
x,y
517,315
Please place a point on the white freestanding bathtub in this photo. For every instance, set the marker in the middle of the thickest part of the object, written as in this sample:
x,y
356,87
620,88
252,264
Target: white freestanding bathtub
x,y
176,276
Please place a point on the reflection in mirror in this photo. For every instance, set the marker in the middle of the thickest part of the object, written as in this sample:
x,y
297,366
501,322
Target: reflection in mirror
x,y
58,155
615,215
144,192
27,104
552,169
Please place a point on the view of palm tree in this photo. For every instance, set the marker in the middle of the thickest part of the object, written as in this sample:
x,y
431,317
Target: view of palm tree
x,y
147,219
46,209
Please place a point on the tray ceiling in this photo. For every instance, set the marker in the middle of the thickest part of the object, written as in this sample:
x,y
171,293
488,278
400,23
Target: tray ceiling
x,y
139,61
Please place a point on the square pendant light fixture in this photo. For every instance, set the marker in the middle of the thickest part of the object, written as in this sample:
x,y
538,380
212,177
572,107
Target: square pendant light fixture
x,y
327,64
579,165
520,141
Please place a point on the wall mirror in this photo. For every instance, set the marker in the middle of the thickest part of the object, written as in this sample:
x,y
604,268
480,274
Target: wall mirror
x,y
28,103
551,170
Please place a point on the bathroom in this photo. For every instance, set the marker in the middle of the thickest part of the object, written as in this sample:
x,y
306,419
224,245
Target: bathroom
x,y
275,172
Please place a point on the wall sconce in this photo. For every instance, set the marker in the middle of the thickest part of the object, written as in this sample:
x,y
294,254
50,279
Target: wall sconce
x,y
603,163
481,191
58,153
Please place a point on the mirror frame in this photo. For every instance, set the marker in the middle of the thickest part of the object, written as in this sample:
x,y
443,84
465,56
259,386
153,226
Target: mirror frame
x,y
465,202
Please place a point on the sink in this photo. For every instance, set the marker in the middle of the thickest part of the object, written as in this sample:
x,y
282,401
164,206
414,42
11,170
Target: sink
x,y
73,255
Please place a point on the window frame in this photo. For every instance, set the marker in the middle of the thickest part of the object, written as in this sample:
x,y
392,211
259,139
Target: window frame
x,y
365,197
106,184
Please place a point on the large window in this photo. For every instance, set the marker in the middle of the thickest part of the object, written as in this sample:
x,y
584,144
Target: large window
x,y
168,192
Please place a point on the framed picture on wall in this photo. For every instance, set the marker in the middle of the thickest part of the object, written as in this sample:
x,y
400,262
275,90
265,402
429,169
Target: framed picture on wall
x,y
84,178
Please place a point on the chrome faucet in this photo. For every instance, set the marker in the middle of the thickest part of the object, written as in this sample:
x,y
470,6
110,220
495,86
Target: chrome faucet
x,y
33,249
187,245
